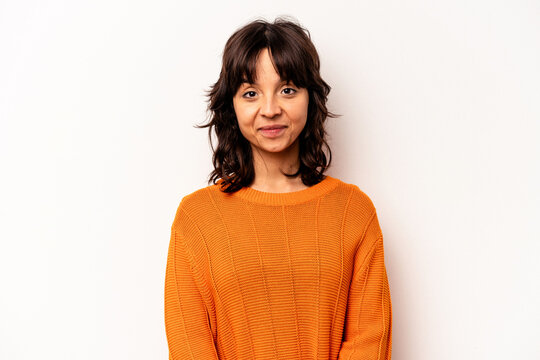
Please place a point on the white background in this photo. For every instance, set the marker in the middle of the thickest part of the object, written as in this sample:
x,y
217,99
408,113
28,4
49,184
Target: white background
x,y
440,127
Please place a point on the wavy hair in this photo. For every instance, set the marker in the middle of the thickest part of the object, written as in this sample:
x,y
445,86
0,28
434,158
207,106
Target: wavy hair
x,y
296,60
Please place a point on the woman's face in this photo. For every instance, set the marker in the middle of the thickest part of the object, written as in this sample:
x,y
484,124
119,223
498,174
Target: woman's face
x,y
270,102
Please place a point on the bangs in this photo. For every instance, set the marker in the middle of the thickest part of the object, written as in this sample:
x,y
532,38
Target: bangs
x,y
288,60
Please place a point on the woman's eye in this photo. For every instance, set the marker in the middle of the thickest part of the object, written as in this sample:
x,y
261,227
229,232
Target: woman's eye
x,y
289,93
249,92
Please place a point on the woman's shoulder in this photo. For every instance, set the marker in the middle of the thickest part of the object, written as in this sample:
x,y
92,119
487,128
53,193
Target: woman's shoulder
x,y
198,197
359,197
194,204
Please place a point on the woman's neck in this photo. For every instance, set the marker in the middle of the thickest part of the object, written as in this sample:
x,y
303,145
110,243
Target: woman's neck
x,y
269,168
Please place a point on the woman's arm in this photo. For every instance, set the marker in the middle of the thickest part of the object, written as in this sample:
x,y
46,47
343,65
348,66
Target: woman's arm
x,y
186,322
368,323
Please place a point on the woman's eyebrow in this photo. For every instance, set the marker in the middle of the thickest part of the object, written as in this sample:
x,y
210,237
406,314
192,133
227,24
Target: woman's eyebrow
x,y
256,82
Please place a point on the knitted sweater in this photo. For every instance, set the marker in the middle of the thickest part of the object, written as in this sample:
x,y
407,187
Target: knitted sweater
x,y
259,275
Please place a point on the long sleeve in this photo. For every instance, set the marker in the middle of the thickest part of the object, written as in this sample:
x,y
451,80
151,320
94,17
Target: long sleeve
x,y
189,335
368,323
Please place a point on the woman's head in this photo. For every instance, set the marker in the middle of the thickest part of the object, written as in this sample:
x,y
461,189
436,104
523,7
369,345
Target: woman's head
x,y
269,76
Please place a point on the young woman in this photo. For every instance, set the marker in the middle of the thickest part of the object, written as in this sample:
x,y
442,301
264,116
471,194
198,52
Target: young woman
x,y
275,259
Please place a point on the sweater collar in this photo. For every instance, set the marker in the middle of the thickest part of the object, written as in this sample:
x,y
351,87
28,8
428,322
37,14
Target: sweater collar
x,y
288,198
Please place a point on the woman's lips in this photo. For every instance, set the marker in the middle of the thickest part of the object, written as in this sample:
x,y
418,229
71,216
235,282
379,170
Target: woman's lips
x,y
272,133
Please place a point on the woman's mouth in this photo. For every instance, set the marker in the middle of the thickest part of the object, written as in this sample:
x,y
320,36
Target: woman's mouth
x,y
272,133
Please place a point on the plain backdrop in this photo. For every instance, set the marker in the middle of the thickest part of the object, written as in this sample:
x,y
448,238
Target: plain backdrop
x,y
440,127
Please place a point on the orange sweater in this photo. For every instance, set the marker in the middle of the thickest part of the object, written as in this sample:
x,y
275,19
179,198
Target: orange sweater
x,y
258,275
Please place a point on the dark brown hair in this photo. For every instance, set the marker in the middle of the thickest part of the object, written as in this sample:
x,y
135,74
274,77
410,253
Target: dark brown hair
x,y
296,60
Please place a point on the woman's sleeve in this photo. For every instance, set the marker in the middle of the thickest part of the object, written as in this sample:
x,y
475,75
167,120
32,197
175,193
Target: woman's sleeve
x,y
368,322
189,335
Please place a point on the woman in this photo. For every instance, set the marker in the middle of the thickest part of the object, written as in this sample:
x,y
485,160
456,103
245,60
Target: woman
x,y
275,260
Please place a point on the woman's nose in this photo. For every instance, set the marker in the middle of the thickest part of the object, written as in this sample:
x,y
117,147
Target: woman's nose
x,y
270,107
